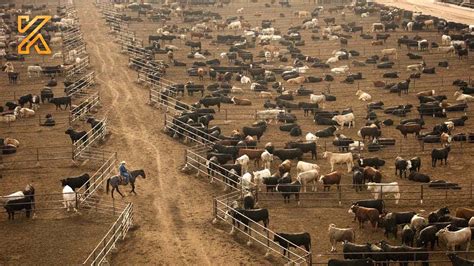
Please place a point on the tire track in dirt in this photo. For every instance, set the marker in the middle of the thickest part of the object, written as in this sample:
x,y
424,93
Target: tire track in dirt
x,y
176,227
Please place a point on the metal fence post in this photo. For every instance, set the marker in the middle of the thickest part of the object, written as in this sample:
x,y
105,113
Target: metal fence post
x,y
421,194
339,195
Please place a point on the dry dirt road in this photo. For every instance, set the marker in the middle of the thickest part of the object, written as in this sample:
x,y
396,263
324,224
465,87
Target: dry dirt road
x,y
172,211
462,15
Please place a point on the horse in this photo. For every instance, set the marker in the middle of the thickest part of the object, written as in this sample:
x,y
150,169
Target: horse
x,y
114,181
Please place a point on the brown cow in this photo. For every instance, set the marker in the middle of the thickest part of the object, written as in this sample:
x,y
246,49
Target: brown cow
x,y
330,179
284,167
253,154
409,128
375,43
365,214
198,35
464,213
372,175
379,84
201,72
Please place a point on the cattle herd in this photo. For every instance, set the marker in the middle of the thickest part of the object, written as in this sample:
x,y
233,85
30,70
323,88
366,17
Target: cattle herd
x,y
276,96
275,72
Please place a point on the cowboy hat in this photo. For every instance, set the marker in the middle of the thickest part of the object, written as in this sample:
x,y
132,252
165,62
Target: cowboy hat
x,y
122,162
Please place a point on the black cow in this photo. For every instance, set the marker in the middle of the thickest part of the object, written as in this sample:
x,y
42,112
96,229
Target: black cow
x,y
351,262
211,101
19,204
246,216
322,120
355,251
458,122
419,177
403,254
458,261
327,132
293,240
254,131
440,154
61,101
371,161
308,107
26,99
232,150
304,146
427,235
288,154
76,182
46,94
76,135
408,235
287,189
222,158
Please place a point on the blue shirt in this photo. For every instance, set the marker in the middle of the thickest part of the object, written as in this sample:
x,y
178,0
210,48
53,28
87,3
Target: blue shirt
x,y
123,171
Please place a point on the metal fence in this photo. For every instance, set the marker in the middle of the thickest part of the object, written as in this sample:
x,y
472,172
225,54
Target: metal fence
x,y
81,84
81,146
106,170
84,107
256,232
410,194
31,158
117,232
78,68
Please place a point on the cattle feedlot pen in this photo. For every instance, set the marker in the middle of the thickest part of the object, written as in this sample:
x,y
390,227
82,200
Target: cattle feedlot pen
x,y
222,204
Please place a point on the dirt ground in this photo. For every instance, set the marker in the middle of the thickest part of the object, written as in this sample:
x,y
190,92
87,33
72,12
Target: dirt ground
x,y
173,211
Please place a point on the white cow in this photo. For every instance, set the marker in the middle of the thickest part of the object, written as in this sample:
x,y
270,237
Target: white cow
x,y
336,158
363,96
235,89
415,67
379,189
236,25
199,56
37,70
445,39
332,60
270,114
345,119
304,166
24,112
340,70
457,238
307,177
313,98
246,181
258,176
391,51
69,198
447,49
245,80
244,162
311,137
461,97
267,159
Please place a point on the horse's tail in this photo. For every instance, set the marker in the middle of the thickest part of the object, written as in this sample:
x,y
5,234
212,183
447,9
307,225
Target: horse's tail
x,y
108,184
